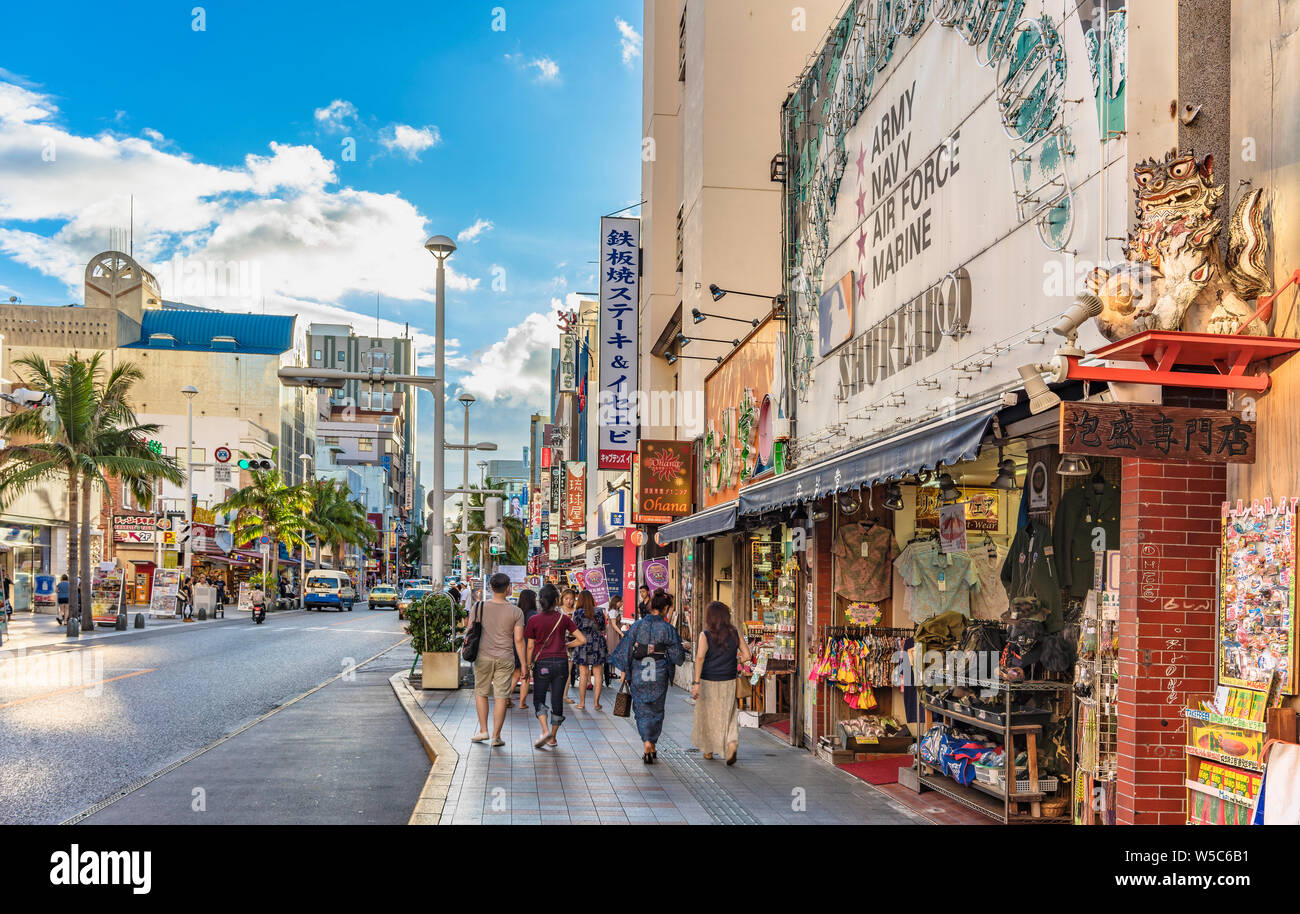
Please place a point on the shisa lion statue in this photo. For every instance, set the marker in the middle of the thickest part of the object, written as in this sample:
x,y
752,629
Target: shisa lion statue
x,y
1175,277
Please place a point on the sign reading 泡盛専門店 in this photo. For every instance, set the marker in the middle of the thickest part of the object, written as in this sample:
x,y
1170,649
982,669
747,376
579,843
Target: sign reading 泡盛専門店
x,y
664,481
620,277
1156,432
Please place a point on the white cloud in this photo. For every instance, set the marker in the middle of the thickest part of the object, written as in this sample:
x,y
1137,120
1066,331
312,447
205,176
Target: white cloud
x,y
478,228
630,41
409,141
283,214
334,116
517,369
548,71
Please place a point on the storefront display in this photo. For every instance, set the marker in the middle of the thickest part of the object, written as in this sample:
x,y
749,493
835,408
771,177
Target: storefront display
x,y
1257,597
864,551
106,594
166,586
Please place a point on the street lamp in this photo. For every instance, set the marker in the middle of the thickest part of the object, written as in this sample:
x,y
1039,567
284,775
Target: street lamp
x,y
190,391
467,400
302,573
441,247
482,484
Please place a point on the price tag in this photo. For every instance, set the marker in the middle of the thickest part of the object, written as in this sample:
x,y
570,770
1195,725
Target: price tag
x,y
943,581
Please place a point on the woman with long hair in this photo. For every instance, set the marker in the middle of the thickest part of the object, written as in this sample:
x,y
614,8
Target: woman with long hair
x,y
568,603
613,634
527,604
646,657
718,652
591,657
549,634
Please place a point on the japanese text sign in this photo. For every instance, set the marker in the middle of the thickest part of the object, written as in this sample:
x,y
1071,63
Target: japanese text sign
x,y
1156,432
620,277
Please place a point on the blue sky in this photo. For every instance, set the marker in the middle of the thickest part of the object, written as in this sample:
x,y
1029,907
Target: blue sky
x,y
233,139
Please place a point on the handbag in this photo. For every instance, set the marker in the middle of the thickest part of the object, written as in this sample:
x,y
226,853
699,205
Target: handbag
x,y
623,700
469,649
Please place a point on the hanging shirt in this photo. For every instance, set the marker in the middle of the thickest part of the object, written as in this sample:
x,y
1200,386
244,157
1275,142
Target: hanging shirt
x,y
1030,571
862,569
989,600
941,581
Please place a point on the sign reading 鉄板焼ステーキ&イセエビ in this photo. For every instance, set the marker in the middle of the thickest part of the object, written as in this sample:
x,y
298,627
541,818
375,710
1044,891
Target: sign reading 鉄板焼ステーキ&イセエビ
x,y
620,278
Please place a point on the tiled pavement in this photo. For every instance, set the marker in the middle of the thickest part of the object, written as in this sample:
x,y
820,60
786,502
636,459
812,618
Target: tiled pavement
x,y
596,775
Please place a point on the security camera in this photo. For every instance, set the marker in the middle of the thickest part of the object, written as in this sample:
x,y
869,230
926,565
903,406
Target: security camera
x,y
26,399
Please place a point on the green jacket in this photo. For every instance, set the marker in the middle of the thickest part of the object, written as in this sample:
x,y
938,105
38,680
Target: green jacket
x,y
1080,511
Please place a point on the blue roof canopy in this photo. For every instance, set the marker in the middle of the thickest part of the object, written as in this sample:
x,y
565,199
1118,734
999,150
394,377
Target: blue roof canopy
x,y
259,334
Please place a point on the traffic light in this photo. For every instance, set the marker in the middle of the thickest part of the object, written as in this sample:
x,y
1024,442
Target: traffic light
x,y
255,463
462,542
497,542
492,513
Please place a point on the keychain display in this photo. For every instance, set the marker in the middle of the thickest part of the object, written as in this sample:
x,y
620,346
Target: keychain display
x,y
1257,597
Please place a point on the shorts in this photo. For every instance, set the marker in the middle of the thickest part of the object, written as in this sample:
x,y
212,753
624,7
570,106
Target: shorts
x,y
493,677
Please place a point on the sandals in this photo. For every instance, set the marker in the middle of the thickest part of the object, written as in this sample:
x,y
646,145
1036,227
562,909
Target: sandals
x,y
731,753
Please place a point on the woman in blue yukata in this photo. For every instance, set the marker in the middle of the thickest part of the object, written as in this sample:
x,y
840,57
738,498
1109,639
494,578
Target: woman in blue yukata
x,y
649,652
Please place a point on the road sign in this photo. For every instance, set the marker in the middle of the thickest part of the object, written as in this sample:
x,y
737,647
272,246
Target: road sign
x,y
222,454
616,519
398,528
263,541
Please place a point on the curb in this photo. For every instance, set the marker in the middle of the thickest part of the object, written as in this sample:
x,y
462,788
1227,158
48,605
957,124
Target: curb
x,y
428,809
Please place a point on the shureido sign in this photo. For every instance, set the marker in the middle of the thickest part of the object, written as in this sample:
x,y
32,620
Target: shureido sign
x,y
620,280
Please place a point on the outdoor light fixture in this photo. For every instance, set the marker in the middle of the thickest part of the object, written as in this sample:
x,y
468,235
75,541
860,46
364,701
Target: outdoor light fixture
x,y
698,316
1040,398
682,340
1006,478
948,490
893,499
1088,307
671,359
1071,465
849,502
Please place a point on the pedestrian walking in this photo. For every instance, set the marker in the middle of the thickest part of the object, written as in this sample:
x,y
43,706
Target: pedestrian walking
x,y
643,601
527,606
591,657
613,634
646,657
185,596
548,635
62,596
221,592
499,647
718,653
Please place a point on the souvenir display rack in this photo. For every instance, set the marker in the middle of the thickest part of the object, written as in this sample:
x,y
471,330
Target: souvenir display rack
x,y
997,802
1225,757
874,665
1096,714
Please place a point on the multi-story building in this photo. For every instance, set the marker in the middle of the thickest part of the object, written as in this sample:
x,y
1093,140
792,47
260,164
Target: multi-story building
x,y
231,359
714,75
369,428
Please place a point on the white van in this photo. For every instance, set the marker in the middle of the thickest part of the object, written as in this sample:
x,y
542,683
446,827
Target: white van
x,y
328,588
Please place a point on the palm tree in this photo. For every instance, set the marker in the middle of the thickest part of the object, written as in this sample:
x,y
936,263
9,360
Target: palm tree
x,y
268,507
85,432
413,546
335,519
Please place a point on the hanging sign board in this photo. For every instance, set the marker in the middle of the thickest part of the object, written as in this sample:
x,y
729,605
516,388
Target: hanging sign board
x,y
664,478
1156,432
620,279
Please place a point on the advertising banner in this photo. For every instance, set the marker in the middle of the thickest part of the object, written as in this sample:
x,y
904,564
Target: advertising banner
x,y
134,528
575,495
738,416
664,481
593,580
655,574
620,271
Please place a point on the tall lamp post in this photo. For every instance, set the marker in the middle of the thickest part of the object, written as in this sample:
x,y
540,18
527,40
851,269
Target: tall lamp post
x,y
466,400
441,247
302,574
189,391
482,484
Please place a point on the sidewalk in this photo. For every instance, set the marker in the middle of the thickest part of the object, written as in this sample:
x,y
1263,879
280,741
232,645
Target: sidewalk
x,y
596,775
33,630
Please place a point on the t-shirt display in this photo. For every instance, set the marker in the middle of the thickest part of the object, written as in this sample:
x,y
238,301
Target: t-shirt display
x,y
865,553
940,581
1081,511
989,600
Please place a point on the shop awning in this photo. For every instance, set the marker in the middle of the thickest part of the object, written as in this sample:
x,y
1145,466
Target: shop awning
x,y
704,523
947,442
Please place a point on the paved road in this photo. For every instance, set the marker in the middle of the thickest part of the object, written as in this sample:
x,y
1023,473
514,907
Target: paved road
x,y
83,723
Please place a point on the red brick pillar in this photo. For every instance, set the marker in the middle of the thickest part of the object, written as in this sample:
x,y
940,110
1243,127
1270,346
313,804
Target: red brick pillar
x,y
1170,530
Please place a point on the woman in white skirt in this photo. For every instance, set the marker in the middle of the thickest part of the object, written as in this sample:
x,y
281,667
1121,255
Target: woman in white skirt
x,y
719,651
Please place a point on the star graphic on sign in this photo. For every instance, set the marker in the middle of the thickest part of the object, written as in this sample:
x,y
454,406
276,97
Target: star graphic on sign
x,y
862,285
862,161
862,243
862,211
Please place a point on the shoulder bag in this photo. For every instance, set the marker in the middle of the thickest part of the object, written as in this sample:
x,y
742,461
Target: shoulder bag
x,y
474,634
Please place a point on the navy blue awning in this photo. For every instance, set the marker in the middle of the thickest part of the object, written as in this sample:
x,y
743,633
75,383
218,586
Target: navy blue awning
x,y
717,519
947,442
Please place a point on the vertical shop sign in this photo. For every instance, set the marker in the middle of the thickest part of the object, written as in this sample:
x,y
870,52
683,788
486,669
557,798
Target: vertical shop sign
x,y
575,495
620,277
568,363
629,573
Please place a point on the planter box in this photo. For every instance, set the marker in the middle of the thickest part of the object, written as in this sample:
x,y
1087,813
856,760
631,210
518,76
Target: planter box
x,y
440,671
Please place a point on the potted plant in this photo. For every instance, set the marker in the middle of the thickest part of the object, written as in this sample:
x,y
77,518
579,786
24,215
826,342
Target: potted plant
x,y
435,637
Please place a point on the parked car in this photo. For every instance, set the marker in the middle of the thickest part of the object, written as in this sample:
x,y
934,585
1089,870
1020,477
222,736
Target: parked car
x,y
328,588
383,596
409,596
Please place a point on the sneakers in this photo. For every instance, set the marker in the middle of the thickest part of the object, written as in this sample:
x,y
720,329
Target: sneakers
x,y
479,737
